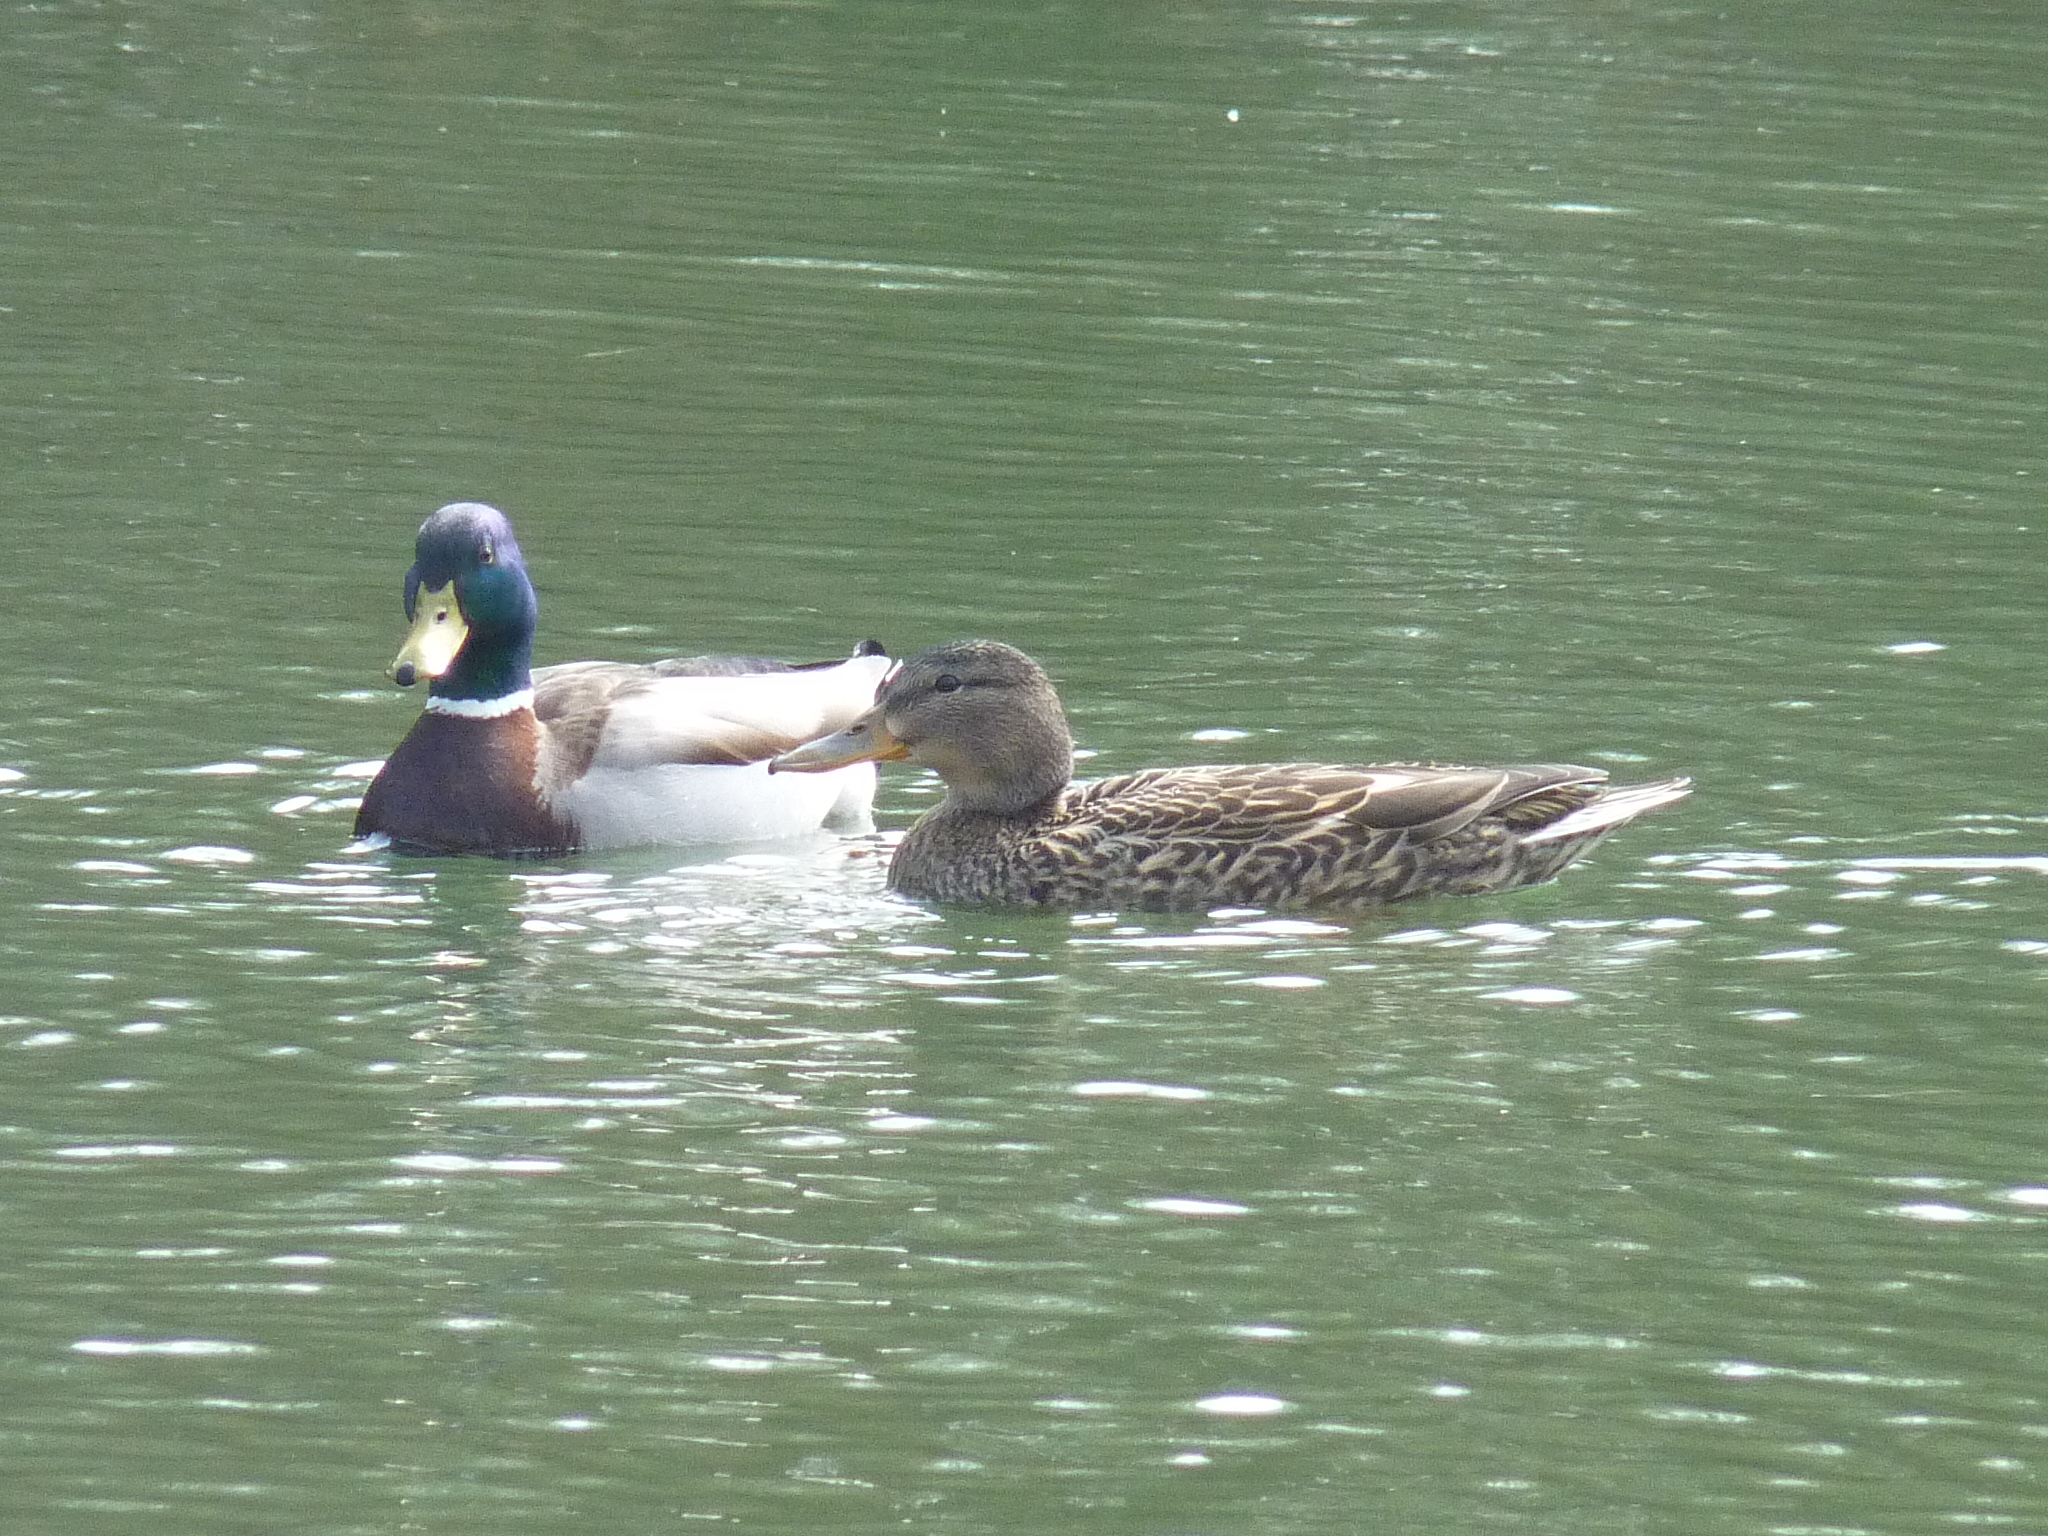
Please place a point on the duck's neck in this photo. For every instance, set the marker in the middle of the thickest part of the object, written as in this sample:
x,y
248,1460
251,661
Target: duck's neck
x,y
1006,800
492,676
1015,772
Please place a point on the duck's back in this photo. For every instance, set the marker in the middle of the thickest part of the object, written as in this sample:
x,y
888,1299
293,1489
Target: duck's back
x,y
676,751
1281,835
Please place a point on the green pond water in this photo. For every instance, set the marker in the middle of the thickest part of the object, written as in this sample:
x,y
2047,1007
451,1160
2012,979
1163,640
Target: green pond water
x,y
1658,387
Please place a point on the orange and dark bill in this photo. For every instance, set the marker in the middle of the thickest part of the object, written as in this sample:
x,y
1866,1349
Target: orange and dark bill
x,y
867,740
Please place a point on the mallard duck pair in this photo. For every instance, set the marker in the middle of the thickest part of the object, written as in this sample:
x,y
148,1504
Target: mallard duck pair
x,y
597,754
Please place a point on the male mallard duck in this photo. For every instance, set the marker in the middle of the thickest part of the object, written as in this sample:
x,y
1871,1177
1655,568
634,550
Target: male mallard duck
x,y
1012,830
591,754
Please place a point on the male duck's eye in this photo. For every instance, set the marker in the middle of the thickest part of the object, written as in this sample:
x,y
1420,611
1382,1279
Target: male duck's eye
x,y
490,554
945,682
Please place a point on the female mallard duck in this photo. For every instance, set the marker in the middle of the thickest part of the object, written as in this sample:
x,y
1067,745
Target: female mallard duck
x,y
591,754
1012,830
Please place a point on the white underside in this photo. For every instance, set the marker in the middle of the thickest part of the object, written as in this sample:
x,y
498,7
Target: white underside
x,y
678,803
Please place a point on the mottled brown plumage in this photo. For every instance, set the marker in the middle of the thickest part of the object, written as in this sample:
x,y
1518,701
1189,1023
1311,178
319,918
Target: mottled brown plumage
x,y
1012,830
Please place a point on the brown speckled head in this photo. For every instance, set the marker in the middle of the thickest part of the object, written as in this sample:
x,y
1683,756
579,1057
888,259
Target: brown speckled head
x,y
984,717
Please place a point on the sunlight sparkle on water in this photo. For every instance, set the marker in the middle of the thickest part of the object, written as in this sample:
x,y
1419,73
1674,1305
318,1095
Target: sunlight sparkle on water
x,y
208,853
1243,1405
1534,996
443,1162
181,1347
1111,1088
1181,1205
1934,1211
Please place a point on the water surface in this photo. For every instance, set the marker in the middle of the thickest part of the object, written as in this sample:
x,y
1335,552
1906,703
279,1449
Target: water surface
x,y
1656,389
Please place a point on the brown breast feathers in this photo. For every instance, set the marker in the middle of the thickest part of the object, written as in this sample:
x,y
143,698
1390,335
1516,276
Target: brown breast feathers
x,y
458,785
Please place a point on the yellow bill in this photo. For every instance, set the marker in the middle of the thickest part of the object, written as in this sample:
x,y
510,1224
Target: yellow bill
x,y
867,740
438,630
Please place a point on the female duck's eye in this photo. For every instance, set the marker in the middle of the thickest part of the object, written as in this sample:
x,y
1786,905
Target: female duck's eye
x,y
945,682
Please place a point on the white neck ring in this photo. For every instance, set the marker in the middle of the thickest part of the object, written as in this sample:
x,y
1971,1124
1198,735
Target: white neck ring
x,y
481,709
